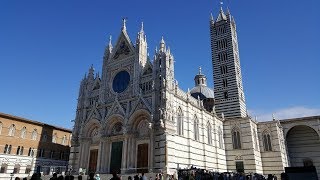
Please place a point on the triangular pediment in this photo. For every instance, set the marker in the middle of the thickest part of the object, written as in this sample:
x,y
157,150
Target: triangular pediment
x,y
141,104
123,48
94,114
116,109
96,84
147,69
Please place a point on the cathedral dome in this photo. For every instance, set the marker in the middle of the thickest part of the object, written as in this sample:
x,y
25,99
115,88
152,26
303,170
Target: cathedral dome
x,y
201,88
203,92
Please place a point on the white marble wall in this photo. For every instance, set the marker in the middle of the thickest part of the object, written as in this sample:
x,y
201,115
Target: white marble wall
x,y
184,150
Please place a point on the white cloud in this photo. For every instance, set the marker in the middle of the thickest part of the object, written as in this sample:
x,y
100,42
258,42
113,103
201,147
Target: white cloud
x,y
285,113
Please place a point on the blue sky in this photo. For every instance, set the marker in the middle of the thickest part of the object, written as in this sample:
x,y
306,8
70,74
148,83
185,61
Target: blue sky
x,y
47,46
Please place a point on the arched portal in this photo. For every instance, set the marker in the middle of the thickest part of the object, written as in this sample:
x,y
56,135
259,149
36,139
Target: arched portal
x,y
303,145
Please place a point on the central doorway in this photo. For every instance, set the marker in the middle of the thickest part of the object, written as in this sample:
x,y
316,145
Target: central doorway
x,y
116,157
142,158
93,160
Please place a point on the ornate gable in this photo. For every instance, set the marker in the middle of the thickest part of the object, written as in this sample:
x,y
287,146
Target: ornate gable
x,y
141,104
94,113
123,48
147,69
116,109
96,84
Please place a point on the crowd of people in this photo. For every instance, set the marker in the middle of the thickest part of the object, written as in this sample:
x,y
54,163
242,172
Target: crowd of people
x,y
200,174
183,174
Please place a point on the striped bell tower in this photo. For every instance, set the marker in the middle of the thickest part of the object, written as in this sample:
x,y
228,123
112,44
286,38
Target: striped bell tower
x,y
228,87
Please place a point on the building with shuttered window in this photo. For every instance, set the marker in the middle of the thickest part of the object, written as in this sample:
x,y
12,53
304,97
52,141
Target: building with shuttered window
x,y
28,146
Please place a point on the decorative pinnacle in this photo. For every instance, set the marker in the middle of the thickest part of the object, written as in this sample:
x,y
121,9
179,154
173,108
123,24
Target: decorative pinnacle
x,y
124,20
228,10
200,70
110,39
162,40
211,17
221,4
141,27
162,45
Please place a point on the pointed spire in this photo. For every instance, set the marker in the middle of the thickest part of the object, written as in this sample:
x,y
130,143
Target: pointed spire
x,y
141,35
124,20
222,15
228,11
141,30
162,40
211,18
110,41
162,45
221,3
91,72
200,70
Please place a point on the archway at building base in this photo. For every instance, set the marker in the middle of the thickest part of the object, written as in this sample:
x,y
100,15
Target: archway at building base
x,y
303,145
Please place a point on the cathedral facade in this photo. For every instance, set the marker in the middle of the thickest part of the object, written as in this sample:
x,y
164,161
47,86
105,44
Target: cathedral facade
x,y
135,117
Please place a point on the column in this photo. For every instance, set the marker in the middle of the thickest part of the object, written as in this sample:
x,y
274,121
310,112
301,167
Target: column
x,y
81,154
100,154
124,154
133,152
106,162
102,157
151,151
128,164
86,155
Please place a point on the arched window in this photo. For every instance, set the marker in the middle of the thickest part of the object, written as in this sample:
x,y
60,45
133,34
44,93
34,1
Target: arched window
x,y
54,138
5,151
307,163
9,149
21,151
29,153
0,127
44,136
34,134
28,169
180,122
236,139
267,141
12,130
209,133
32,151
220,138
95,132
16,169
196,128
64,140
23,132
3,168
18,150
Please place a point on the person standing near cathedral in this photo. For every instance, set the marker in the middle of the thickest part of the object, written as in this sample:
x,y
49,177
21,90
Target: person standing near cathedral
x,y
143,177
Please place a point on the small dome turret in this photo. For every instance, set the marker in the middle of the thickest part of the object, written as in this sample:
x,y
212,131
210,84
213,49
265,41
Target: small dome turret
x,y
201,88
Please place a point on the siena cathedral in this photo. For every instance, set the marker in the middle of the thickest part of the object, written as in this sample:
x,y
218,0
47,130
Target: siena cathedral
x,y
135,117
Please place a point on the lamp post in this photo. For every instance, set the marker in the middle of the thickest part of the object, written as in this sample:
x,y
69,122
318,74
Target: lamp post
x,y
11,176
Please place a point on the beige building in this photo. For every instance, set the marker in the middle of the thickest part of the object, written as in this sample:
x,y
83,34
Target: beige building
x,y
135,118
28,146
